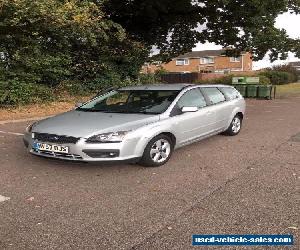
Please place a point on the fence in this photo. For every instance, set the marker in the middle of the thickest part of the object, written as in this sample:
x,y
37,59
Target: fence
x,y
194,77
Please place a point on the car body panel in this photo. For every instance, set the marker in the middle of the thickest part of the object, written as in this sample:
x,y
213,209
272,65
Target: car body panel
x,y
84,124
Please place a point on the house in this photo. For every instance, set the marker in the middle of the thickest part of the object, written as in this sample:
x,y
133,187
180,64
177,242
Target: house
x,y
206,61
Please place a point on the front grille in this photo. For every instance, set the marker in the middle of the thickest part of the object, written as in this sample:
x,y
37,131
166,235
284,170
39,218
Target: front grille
x,y
44,137
59,155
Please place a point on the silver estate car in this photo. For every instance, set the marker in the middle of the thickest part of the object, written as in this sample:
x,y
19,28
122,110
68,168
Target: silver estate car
x,y
138,123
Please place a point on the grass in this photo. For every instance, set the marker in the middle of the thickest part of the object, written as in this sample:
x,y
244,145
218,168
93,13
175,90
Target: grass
x,y
40,109
288,90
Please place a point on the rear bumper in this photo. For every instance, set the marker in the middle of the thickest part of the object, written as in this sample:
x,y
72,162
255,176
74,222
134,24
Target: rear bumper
x,y
99,152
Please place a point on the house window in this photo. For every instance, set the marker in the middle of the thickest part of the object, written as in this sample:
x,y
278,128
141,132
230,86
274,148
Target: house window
x,y
235,59
180,62
207,60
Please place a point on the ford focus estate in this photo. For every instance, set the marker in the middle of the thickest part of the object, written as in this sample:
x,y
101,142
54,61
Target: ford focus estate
x,y
144,124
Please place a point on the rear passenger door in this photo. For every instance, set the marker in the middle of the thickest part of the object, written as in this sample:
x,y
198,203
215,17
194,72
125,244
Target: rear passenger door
x,y
219,105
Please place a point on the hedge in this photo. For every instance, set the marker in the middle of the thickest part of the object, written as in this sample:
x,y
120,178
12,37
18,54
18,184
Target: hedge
x,y
15,92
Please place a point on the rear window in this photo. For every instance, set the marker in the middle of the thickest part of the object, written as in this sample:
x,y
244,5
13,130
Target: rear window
x,y
214,95
230,93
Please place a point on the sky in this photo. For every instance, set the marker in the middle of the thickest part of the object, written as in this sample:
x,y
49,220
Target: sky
x,y
287,21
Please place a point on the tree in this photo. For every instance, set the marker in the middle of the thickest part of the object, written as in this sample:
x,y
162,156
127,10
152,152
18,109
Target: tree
x,y
48,41
175,26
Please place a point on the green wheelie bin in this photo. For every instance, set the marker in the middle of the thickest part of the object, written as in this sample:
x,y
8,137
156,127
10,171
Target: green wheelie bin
x,y
241,89
252,91
264,91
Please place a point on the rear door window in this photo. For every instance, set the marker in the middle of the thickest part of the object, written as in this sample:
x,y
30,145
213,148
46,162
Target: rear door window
x,y
213,94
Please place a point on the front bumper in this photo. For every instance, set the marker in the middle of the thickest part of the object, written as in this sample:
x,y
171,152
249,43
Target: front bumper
x,y
127,150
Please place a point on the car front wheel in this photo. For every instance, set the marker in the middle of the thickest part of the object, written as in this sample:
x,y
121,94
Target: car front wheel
x,y
157,152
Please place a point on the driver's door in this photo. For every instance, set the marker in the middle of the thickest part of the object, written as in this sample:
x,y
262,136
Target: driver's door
x,y
191,126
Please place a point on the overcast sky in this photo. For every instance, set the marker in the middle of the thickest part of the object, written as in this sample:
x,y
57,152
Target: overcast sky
x,y
289,22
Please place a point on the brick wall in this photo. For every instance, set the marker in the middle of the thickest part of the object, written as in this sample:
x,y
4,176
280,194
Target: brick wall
x,y
220,63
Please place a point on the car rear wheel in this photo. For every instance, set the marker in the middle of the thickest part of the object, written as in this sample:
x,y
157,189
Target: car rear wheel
x,y
157,152
235,126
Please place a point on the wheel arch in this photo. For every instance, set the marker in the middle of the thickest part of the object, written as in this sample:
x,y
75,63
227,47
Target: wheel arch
x,y
240,114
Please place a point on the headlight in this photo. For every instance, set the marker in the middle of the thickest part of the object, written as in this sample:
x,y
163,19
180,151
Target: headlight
x,y
29,128
111,137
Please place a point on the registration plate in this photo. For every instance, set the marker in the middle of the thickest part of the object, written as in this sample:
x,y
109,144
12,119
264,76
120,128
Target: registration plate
x,y
50,147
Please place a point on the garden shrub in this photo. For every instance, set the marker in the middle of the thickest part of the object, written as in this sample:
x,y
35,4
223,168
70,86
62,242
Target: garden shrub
x,y
264,80
278,77
226,80
294,73
15,92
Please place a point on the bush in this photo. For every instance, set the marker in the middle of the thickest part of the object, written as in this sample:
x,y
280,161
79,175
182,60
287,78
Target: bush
x,y
278,77
227,80
264,80
148,78
287,68
15,92
78,88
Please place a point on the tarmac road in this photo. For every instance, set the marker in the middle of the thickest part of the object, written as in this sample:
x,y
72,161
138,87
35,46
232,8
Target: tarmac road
x,y
248,184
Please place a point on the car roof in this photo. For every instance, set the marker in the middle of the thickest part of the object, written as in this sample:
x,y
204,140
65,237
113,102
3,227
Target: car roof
x,y
167,86
161,86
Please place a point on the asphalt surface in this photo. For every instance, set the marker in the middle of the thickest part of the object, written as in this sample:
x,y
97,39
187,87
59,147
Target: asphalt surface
x,y
248,184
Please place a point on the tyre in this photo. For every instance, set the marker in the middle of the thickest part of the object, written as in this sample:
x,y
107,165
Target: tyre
x,y
157,152
235,126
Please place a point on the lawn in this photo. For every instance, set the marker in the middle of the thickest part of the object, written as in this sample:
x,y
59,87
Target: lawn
x,y
288,90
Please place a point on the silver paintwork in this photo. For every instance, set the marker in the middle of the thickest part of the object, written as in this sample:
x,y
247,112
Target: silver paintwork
x,y
187,127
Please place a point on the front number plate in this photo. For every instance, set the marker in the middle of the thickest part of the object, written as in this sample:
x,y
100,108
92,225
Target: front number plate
x,y
50,147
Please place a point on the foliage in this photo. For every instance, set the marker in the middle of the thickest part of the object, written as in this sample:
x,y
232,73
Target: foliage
x,y
286,68
175,26
264,80
148,78
226,79
278,77
14,92
52,41
86,45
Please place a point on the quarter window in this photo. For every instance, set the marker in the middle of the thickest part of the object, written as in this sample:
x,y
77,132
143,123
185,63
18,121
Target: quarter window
x,y
214,95
230,93
192,98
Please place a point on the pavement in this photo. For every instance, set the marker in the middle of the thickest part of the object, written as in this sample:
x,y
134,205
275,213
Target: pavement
x,y
247,184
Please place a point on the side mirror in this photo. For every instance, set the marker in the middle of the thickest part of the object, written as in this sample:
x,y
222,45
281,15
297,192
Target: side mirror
x,y
189,109
78,104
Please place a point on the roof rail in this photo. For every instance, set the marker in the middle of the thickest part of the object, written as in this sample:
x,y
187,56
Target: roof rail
x,y
186,86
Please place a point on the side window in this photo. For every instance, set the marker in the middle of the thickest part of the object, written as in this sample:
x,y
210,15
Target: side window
x,y
214,95
230,93
192,98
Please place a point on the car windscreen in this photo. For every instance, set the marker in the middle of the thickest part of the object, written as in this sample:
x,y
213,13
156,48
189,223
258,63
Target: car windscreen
x,y
132,101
